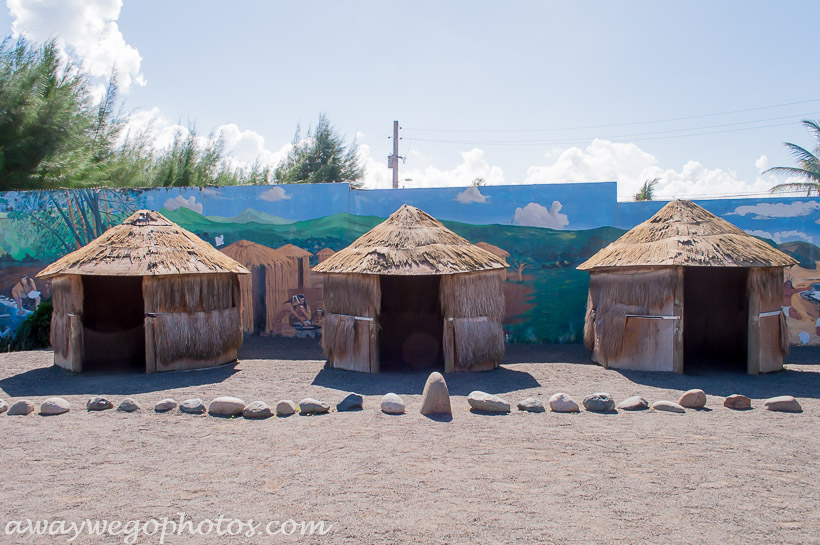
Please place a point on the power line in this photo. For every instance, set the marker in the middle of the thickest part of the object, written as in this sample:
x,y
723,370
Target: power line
x,y
685,118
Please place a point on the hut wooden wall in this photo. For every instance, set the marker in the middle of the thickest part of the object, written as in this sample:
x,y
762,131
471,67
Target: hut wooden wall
x,y
66,321
192,320
768,336
473,307
347,342
622,342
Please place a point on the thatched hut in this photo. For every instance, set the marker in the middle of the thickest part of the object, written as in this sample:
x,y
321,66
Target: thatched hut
x,y
687,289
410,292
147,294
301,264
496,251
324,253
266,288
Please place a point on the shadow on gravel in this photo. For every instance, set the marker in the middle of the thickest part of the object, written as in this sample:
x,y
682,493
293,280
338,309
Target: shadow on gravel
x,y
48,381
412,382
789,382
258,347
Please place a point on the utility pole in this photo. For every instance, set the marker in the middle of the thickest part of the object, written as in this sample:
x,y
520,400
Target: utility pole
x,y
393,160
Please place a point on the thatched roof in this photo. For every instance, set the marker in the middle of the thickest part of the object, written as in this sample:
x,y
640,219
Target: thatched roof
x,y
683,233
495,250
289,250
410,242
325,251
250,254
145,244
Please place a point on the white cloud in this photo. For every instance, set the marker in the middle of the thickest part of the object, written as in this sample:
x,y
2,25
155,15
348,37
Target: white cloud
x,y
247,147
87,28
782,236
630,166
181,202
536,215
473,165
242,148
274,194
762,163
471,195
764,211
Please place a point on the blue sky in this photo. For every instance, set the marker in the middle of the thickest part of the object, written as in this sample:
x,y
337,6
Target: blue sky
x,y
516,93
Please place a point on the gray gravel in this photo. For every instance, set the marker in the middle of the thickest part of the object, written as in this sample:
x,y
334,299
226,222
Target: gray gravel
x,y
709,476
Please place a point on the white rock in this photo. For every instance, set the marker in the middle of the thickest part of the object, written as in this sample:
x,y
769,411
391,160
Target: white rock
x,y
693,399
257,410
165,405
21,408
563,403
54,405
98,403
436,397
192,406
488,403
783,404
531,405
3,406
634,403
226,406
668,406
313,406
393,404
128,405
286,407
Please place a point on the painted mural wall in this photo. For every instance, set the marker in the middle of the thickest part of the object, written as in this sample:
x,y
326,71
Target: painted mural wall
x,y
543,231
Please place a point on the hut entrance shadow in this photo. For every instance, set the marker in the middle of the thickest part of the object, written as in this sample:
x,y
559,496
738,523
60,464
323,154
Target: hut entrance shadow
x,y
411,324
52,381
113,334
497,381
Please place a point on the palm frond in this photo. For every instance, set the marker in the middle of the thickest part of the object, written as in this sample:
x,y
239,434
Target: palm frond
x,y
794,171
808,187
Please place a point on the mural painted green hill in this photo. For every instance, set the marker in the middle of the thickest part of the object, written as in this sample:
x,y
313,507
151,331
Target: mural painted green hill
x,y
249,215
805,252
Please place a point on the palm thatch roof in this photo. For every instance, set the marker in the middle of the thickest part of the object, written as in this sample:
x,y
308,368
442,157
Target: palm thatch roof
x,y
289,250
410,242
495,250
251,254
683,233
145,244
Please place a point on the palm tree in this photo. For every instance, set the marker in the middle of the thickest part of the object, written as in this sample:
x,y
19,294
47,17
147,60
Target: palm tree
x,y
809,165
647,192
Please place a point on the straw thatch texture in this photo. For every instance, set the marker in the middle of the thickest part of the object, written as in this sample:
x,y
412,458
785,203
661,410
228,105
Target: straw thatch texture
x,y
300,259
495,250
67,298
145,244
410,242
196,335
475,294
190,293
278,278
768,283
478,342
354,294
338,336
324,253
614,295
683,233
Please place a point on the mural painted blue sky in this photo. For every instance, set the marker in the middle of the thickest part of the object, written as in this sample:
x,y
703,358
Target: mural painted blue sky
x,y
700,94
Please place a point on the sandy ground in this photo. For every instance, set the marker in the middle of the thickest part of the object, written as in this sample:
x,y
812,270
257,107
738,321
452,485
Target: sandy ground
x,y
711,476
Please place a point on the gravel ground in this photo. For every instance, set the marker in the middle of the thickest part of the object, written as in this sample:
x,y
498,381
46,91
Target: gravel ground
x,y
710,476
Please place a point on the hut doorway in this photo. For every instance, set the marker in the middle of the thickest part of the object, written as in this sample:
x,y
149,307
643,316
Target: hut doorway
x,y
715,328
260,308
113,323
412,325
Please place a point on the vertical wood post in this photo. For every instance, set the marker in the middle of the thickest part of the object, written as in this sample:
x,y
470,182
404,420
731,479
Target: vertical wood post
x,y
753,321
449,355
374,346
678,310
75,342
150,344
